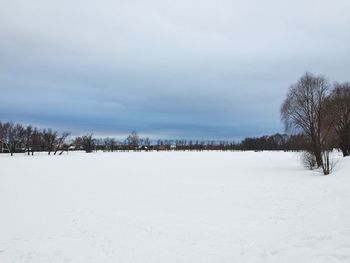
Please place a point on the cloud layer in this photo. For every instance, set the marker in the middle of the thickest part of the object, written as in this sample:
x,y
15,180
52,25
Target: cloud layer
x,y
204,69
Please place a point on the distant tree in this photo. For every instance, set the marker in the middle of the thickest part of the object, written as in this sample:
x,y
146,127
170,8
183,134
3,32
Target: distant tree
x,y
298,142
88,143
147,142
60,141
4,135
110,144
49,139
28,133
133,140
15,137
36,141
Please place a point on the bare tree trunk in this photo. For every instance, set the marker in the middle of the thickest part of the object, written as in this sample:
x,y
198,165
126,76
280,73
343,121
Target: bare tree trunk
x,y
345,146
318,157
317,152
326,166
344,151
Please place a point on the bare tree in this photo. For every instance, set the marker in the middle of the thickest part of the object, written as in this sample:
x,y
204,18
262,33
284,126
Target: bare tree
x,y
308,160
133,140
36,140
60,142
49,139
147,142
15,137
88,143
303,110
339,112
28,132
110,144
4,131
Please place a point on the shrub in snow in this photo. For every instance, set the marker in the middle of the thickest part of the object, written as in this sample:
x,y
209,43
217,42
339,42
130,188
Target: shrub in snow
x,y
309,160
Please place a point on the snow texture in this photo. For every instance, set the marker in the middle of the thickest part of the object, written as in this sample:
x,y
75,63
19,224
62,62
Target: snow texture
x,y
172,207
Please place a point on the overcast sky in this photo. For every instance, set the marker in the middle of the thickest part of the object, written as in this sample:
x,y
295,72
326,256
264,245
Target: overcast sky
x,y
171,69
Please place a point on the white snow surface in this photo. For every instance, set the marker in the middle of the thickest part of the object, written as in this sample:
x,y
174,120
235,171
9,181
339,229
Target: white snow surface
x,y
166,207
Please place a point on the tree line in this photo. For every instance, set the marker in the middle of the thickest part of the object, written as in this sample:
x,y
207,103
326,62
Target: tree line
x,y
18,138
321,113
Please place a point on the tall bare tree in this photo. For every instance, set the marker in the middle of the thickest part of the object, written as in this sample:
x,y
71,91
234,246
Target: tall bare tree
x,y
28,133
15,137
49,139
339,111
303,110
4,131
36,141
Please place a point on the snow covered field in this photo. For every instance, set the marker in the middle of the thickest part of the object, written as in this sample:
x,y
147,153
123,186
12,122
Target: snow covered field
x,y
172,207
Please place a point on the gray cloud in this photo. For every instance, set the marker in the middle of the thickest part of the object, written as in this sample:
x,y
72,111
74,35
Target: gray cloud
x,y
208,69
